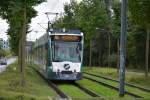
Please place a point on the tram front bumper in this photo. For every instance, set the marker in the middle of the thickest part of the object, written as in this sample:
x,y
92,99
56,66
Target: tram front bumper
x,y
63,76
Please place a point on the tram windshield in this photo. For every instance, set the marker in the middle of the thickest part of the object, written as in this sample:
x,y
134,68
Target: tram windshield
x,y
66,51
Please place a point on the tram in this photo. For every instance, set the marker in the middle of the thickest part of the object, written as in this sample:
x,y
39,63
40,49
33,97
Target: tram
x,y
59,54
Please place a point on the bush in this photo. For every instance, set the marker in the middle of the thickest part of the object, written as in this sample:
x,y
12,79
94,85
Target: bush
x,y
4,53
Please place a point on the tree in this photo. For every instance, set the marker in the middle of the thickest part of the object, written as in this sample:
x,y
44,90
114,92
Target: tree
x,y
91,14
140,13
116,30
18,14
109,11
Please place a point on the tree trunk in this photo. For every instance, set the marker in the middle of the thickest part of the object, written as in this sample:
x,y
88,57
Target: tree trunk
x,y
99,59
23,40
90,57
108,4
109,50
118,55
147,52
19,55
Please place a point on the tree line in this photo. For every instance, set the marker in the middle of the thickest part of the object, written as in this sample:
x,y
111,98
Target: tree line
x,y
100,22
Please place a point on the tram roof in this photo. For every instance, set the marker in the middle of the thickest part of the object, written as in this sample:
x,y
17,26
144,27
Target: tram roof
x,y
66,32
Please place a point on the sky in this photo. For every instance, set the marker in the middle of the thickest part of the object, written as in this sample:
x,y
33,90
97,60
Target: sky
x,y
3,29
37,30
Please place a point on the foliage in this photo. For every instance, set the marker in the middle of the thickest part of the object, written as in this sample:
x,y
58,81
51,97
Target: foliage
x,y
11,10
4,53
140,12
0,45
135,47
140,16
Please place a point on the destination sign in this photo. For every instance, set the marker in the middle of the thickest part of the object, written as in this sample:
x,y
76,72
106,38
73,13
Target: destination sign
x,y
66,38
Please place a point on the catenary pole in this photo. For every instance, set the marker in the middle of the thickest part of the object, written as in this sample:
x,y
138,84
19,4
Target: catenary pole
x,y
123,47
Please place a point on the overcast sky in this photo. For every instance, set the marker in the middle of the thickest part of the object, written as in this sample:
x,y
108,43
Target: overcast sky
x,y
49,6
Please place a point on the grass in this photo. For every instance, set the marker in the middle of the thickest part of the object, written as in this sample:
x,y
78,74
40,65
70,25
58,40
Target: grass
x,y
73,91
103,91
116,84
35,87
132,77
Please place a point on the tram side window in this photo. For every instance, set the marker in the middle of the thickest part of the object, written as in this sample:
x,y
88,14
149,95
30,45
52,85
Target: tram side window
x,y
45,53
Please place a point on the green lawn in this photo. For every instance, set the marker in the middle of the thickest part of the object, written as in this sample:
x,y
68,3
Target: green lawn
x,y
132,77
35,87
73,91
116,84
103,91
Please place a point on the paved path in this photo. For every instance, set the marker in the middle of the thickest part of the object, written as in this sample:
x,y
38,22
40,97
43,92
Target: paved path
x,y
9,61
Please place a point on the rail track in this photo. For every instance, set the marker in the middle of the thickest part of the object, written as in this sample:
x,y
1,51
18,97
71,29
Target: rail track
x,y
53,86
81,88
57,90
86,90
112,87
127,84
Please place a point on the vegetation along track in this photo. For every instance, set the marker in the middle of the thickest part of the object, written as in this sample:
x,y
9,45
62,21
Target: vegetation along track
x,y
89,92
61,93
80,87
112,87
53,86
128,84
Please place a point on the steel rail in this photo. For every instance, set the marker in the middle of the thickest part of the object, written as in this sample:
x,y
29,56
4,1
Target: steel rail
x,y
112,87
128,84
87,91
58,91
